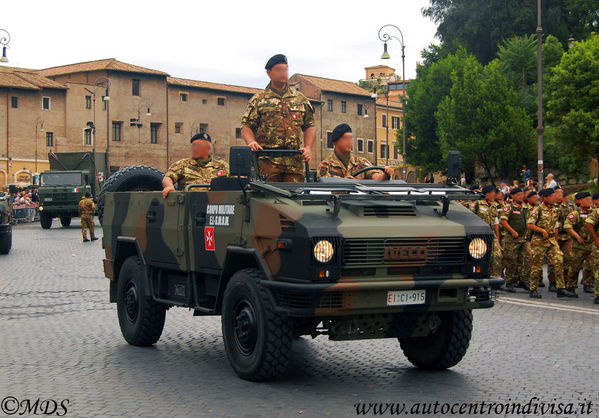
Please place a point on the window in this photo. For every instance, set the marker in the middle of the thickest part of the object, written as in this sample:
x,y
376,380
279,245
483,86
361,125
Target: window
x,y
220,101
117,128
329,139
87,136
394,122
14,102
384,151
49,139
154,129
178,127
359,109
360,145
370,146
135,87
88,102
330,105
343,106
395,153
203,127
384,121
237,133
183,97
204,101
45,103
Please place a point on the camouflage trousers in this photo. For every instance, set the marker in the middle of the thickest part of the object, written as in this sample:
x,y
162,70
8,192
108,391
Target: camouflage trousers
x,y
575,263
587,273
87,222
555,257
496,256
595,268
526,261
566,248
274,171
513,254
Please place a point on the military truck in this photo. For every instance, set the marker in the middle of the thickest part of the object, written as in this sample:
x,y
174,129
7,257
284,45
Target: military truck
x,y
5,223
349,259
71,175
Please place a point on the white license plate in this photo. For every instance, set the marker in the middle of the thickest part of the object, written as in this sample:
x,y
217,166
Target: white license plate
x,y
406,297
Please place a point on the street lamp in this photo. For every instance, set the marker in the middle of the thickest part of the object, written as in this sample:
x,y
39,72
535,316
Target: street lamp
x,y
540,128
99,82
4,40
39,125
385,37
137,121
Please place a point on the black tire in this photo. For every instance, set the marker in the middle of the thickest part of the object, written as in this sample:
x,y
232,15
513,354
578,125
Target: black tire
x,y
257,340
46,220
443,348
129,179
65,221
6,242
141,319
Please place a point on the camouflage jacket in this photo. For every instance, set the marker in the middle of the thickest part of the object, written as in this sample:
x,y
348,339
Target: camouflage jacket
x,y
546,217
333,167
87,207
593,219
575,220
189,171
564,210
487,212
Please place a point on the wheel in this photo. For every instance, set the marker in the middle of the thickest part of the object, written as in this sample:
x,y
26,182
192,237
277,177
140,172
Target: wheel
x,y
6,242
141,319
46,220
129,179
65,221
257,340
445,346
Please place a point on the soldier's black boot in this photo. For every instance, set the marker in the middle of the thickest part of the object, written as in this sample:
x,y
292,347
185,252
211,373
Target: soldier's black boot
x,y
94,239
597,301
541,284
509,288
587,289
85,240
534,294
523,285
552,287
565,293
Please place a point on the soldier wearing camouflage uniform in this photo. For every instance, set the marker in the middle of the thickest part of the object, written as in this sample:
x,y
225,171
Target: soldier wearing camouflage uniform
x,y
543,222
199,169
87,209
564,240
342,162
582,246
279,118
587,272
487,211
592,224
513,220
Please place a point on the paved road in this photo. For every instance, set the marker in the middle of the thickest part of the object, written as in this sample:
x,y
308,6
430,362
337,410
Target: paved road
x,y
60,340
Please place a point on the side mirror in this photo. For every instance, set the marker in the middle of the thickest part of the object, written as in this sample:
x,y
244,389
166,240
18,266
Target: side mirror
x,y
454,165
240,161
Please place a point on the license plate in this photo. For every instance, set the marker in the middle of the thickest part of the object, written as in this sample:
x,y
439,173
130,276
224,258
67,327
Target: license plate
x,y
48,199
405,297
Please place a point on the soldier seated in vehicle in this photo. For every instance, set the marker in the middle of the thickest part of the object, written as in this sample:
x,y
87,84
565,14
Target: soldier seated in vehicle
x,y
342,162
199,169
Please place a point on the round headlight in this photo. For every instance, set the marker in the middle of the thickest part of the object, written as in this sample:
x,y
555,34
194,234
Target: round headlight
x,y
324,251
477,248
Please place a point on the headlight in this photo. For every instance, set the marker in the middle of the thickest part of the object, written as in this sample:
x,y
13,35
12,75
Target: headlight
x,y
323,251
41,208
477,248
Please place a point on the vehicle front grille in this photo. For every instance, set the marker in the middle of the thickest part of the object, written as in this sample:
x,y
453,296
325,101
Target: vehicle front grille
x,y
382,210
295,300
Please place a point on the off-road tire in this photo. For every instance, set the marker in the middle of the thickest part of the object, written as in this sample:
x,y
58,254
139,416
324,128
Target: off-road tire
x,y
65,221
6,242
142,326
269,356
445,347
45,220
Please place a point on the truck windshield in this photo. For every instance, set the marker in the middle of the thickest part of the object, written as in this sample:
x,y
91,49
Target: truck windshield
x,y
60,179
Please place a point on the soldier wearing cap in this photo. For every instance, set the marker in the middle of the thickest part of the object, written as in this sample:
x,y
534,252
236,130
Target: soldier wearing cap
x,y
487,211
201,168
582,246
543,221
342,162
279,118
592,224
564,207
513,220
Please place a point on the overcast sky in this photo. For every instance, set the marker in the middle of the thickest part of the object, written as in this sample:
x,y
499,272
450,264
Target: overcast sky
x,y
219,41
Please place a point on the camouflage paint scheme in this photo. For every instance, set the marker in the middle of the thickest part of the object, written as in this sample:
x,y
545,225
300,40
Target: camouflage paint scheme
x,y
5,214
172,237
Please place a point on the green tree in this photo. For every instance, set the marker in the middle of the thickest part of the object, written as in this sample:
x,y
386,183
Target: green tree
x,y
517,59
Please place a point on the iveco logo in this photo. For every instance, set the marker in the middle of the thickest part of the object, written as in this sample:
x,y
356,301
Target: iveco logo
x,y
411,253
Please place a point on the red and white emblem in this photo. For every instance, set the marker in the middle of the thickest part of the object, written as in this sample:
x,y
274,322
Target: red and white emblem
x,y
220,172
209,238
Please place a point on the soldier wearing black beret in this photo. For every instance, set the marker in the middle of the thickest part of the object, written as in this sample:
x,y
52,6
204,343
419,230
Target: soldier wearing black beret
x,y
487,211
582,242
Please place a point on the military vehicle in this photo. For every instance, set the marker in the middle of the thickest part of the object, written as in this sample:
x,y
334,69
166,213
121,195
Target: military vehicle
x,y
71,175
5,224
349,259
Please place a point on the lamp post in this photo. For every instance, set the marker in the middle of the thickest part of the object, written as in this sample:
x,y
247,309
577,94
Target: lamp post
x,y
137,121
106,98
540,128
4,41
39,125
385,37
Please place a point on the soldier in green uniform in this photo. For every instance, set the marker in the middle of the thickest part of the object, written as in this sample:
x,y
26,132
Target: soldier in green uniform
x,y
543,222
513,220
587,273
87,209
201,168
279,118
487,211
582,246
342,162
564,208
531,202
592,223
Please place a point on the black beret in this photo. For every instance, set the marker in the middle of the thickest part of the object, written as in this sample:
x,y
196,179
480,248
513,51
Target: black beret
x,y
488,189
596,196
565,193
474,187
339,131
531,194
203,136
274,60
516,190
546,192
581,195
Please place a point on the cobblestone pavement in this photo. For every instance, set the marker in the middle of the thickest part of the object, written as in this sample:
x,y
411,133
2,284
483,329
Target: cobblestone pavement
x,y
60,339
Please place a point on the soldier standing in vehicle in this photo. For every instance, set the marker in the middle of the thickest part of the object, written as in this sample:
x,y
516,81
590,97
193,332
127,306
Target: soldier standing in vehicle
x,y
201,168
487,211
87,209
342,162
513,220
279,118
